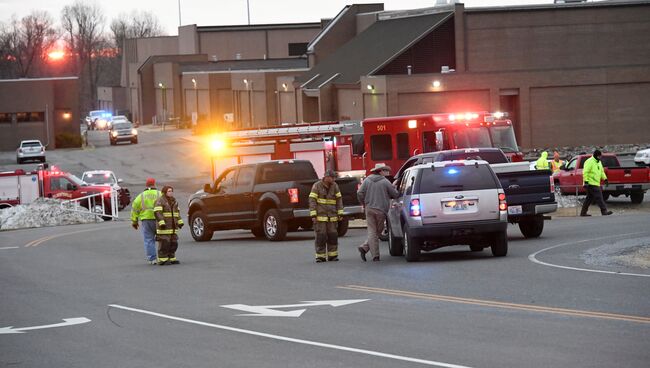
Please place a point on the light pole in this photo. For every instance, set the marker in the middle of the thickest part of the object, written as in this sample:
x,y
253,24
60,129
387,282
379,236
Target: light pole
x,y
164,100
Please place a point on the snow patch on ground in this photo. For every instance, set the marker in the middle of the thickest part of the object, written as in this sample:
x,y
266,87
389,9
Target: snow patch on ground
x,y
628,252
43,212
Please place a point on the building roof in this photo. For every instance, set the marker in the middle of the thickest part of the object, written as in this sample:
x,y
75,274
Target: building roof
x,y
258,27
240,65
38,79
373,48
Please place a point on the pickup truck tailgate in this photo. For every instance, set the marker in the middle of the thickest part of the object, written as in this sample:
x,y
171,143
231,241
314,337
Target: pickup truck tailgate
x,y
628,175
522,187
347,186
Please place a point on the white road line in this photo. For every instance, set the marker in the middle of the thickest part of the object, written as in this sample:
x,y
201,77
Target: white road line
x,y
294,340
533,258
3,248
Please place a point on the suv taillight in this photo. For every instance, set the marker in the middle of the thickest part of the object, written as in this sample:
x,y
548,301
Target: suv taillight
x,y
414,208
503,205
293,195
552,184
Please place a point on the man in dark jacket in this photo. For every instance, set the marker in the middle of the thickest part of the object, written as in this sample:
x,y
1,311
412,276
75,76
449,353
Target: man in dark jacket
x,y
169,223
375,194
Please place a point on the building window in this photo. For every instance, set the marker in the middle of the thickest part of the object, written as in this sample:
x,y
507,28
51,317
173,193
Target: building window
x,y
23,117
403,146
298,49
5,117
358,145
381,147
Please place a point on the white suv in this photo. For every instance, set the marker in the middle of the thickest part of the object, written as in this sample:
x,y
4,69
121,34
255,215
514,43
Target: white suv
x,y
30,150
642,157
448,203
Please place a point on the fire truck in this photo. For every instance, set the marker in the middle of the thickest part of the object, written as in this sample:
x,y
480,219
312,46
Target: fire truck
x,y
353,147
393,140
23,187
328,145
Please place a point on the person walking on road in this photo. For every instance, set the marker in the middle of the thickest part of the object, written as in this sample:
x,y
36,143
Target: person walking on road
x,y
169,223
142,210
542,162
556,163
592,174
375,194
325,209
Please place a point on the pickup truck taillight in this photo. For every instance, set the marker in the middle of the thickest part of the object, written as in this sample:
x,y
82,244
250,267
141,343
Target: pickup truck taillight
x,y
293,195
503,205
552,184
414,208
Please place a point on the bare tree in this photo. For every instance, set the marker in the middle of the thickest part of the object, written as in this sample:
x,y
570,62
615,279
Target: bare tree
x,y
83,25
25,43
134,25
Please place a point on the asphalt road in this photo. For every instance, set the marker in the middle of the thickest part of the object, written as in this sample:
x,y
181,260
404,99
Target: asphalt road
x,y
544,305
453,308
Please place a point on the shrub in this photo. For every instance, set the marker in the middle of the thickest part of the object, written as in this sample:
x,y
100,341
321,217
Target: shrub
x,y
68,140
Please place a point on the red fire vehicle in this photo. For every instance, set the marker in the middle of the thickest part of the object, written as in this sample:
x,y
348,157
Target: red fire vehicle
x,y
23,187
392,140
330,145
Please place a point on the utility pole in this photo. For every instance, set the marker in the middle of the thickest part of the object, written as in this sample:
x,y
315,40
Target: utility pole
x,y
248,10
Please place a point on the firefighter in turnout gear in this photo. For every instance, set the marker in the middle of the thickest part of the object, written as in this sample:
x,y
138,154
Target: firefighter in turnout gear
x,y
169,223
325,209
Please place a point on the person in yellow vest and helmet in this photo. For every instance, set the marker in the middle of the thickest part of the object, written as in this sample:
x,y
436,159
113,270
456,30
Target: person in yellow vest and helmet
x,y
542,162
325,209
592,174
556,163
142,210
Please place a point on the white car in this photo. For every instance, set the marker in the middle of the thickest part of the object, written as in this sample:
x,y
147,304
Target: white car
x,y
642,157
30,150
108,178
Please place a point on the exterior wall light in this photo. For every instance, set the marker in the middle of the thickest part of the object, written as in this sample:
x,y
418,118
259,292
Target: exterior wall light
x,y
436,84
370,87
284,86
194,82
67,115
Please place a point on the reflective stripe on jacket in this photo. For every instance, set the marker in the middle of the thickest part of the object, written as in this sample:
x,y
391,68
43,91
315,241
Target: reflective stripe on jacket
x,y
167,214
555,166
593,172
326,204
142,207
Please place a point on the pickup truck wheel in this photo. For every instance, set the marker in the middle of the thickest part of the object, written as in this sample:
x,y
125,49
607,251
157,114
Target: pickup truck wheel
x,y
411,247
636,197
500,244
199,229
605,196
395,245
343,227
532,228
275,229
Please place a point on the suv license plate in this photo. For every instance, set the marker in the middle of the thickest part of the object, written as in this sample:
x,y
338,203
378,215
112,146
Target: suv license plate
x,y
514,210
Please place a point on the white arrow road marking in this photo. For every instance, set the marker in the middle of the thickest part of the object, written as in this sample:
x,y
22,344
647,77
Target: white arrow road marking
x,y
68,322
294,340
3,248
270,310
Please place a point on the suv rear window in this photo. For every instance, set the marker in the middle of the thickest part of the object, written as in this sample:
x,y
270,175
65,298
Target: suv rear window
x,y
491,157
277,173
456,178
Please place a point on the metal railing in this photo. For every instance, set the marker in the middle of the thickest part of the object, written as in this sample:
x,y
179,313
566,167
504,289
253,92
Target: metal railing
x,y
95,204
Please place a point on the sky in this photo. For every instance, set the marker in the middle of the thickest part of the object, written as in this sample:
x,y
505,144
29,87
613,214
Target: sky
x,y
229,12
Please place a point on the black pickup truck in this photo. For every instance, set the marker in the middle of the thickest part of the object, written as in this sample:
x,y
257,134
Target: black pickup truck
x,y
530,193
269,198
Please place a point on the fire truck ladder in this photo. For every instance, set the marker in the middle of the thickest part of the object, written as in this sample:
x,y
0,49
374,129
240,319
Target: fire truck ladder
x,y
95,205
285,131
